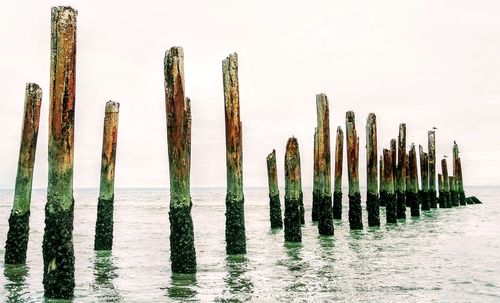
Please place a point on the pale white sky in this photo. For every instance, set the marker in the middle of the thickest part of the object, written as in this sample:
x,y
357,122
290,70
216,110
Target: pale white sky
x,y
426,63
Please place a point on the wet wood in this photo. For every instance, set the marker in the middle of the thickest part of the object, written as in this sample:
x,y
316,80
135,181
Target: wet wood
x,y
355,210
316,194
388,193
457,172
412,193
337,191
432,168
372,202
274,194
446,185
292,192
424,178
401,173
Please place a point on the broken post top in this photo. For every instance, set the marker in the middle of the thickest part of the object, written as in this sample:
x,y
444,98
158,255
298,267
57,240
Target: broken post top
x,y
339,150
108,159
371,154
112,107
272,174
352,154
292,170
402,135
324,185
231,87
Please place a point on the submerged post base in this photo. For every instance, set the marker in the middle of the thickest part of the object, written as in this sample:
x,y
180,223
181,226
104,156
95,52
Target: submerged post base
x,y
373,207
413,200
432,199
355,211
275,212
182,251
424,200
337,205
17,238
293,231
463,199
390,209
455,198
104,225
302,210
325,224
401,205
235,227
473,200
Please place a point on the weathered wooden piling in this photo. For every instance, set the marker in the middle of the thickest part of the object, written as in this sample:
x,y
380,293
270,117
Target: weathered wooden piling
x,y
401,173
412,195
235,212
355,210
325,213
337,190
274,194
442,197
315,197
455,198
446,185
178,107
381,180
58,254
457,172
431,135
372,198
388,185
104,224
293,189
424,178
18,234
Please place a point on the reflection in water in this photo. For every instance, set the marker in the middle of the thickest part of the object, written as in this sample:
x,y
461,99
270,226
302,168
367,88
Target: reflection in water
x,y
104,274
15,276
240,286
293,250
182,287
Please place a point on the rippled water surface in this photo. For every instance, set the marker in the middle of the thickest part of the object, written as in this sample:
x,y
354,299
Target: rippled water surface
x,y
446,255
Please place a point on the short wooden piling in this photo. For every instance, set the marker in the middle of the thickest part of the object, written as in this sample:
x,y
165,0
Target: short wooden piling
x,y
355,210
455,199
58,254
274,194
235,213
293,189
325,213
394,157
401,173
424,178
372,198
388,194
446,185
315,197
431,135
457,172
412,195
104,224
381,180
442,196
178,107
337,190
18,235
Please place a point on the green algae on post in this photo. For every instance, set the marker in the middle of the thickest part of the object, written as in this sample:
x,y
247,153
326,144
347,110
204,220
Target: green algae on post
x,y
293,191
178,107
315,197
235,212
412,194
58,253
355,210
274,194
457,172
325,214
388,187
455,200
18,234
394,161
401,173
337,190
372,199
424,178
104,224
380,177
442,196
446,185
431,135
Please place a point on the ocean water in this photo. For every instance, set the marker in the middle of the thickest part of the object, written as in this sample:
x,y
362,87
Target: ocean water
x,y
446,255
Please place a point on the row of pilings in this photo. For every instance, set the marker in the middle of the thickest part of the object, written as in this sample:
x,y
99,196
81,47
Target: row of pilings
x,y
398,179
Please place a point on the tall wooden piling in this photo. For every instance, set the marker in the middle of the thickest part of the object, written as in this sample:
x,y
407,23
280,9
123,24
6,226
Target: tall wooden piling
x,y
274,194
178,107
337,190
381,180
401,173
58,254
457,172
394,157
355,210
446,185
104,224
293,189
315,197
431,135
424,178
17,237
412,195
388,194
442,195
235,212
325,214
455,199
372,198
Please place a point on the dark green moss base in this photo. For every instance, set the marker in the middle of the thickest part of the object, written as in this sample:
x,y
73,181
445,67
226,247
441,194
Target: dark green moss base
x,y
391,208
275,212
182,251
373,208
433,201
473,200
325,222
455,198
449,203
17,238
413,200
463,200
302,210
337,205
58,254
424,200
235,227
406,202
401,205
293,231
103,239
381,201
355,211
315,207
384,197
444,201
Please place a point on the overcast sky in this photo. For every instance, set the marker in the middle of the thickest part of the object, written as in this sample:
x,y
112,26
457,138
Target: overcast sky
x,y
427,63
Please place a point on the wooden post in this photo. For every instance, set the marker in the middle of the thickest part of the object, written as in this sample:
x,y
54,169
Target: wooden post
x,y
17,237
442,196
432,168
394,162
382,182
235,212
337,191
457,172
325,214
424,178
372,199
274,194
178,107
104,225
455,199
315,198
407,177
412,195
355,210
293,189
58,254
401,173
388,193
446,185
